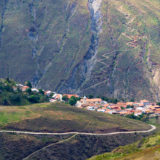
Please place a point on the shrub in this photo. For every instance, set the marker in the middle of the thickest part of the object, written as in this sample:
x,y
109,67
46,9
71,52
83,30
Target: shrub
x,y
72,101
34,98
65,98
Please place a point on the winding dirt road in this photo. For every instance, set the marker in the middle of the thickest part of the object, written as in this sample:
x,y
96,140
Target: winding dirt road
x,y
73,134
78,133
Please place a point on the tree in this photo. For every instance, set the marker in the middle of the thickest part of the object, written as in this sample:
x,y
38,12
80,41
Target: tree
x,y
8,88
8,80
28,83
65,98
5,102
110,100
129,106
41,91
29,91
72,101
114,101
132,116
158,103
90,96
15,98
132,100
34,98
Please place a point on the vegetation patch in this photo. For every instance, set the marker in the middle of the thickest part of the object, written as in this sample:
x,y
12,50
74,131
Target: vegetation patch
x,y
145,149
62,117
10,94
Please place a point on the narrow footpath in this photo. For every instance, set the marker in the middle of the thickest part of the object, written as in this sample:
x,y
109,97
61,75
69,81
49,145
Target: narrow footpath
x,y
50,145
73,134
78,133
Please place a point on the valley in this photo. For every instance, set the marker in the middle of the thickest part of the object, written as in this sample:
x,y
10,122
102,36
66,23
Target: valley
x,y
99,47
79,79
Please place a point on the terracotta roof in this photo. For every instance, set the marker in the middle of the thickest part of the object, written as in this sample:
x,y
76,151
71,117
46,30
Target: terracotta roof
x,y
130,103
58,96
105,105
71,95
24,88
94,100
144,101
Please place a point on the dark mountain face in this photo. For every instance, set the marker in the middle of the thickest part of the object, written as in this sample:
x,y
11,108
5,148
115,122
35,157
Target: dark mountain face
x,y
97,47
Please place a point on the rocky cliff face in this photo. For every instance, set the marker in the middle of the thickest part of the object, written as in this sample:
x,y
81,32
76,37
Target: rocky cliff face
x,y
98,47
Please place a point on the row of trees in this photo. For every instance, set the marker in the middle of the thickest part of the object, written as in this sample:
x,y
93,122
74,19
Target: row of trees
x,y
109,100
143,117
72,101
11,95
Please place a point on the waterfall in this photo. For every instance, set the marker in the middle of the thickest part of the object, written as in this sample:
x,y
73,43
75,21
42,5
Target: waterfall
x,y
84,69
94,8
96,27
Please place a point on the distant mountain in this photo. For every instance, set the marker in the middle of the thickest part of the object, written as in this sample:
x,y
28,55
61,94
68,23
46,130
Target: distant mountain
x,y
97,47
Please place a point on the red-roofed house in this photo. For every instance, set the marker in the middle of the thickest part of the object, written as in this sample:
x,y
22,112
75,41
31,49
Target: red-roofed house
x,y
71,95
24,88
121,104
57,97
91,101
48,93
145,102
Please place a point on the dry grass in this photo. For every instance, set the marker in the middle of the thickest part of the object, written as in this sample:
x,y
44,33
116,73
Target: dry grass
x,y
60,117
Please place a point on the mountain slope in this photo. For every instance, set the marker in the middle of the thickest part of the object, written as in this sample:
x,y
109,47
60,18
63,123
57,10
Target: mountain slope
x,y
37,36
98,47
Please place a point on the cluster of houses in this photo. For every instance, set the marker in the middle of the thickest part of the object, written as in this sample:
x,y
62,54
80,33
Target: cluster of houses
x,y
121,108
24,88
99,105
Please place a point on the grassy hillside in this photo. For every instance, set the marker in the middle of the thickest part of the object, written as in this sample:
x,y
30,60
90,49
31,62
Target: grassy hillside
x,y
146,149
63,118
58,117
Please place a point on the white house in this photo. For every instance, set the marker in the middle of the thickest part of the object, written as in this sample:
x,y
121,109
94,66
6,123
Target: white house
x,y
48,93
52,100
57,97
34,90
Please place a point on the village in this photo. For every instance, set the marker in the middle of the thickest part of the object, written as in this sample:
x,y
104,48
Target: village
x,y
100,105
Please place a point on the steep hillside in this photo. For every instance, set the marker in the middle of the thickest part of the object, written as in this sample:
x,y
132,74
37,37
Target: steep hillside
x,y
96,47
146,149
41,41
64,118
18,147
